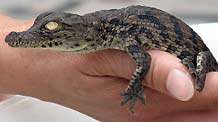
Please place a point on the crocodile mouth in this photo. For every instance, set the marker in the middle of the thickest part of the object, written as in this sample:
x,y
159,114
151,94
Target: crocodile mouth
x,y
26,40
22,39
21,43
34,44
26,43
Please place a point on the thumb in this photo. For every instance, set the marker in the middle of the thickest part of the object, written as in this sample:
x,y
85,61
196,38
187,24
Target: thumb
x,y
166,74
169,76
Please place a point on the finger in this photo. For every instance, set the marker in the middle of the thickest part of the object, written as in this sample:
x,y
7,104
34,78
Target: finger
x,y
166,74
169,76
209,92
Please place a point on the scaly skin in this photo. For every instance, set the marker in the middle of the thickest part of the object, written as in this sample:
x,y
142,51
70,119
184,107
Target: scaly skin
x,y
134,29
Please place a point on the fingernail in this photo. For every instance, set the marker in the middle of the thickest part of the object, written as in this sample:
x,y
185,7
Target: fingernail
x,y
180,85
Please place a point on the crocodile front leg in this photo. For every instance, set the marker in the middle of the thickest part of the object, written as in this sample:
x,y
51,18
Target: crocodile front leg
x,y
135,87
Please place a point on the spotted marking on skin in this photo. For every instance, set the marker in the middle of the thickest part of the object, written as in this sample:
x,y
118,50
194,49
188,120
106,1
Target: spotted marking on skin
x,y
76,45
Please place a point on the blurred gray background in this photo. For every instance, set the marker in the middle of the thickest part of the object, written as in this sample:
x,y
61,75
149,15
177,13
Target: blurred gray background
x,y
191,11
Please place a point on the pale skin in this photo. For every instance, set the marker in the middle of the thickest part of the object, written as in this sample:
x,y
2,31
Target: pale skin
x,y
91,83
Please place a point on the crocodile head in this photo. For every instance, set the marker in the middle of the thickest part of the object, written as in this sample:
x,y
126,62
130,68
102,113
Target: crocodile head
x,y
58,31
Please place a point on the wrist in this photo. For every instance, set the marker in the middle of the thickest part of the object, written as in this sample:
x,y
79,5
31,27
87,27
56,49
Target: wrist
x,y
8,56
9,24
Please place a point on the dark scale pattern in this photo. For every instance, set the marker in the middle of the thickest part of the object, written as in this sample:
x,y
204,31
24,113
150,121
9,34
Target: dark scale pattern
x,y
134,29
193,38
114,21
177,28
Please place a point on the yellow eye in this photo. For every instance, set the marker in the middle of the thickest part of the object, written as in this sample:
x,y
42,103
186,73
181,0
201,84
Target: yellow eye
x,y
51,25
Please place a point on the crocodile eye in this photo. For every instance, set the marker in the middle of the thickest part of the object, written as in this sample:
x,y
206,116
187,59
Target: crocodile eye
x,y
51,25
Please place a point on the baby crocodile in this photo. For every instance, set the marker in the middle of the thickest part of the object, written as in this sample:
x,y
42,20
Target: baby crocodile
x,y
134,29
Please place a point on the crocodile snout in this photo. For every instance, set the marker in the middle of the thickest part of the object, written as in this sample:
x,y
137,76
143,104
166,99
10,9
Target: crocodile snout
x,y
12,36
19,39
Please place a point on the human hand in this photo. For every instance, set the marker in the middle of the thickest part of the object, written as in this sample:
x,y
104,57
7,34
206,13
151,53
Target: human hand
x,y
91,83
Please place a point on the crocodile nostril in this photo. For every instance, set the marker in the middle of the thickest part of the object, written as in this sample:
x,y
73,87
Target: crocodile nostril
x,y
13,33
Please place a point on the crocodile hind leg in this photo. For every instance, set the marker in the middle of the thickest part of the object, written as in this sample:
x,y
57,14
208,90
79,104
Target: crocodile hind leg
x,y
188,62
135,87
205,63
